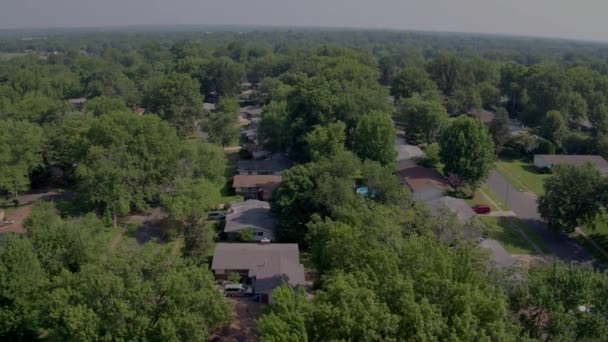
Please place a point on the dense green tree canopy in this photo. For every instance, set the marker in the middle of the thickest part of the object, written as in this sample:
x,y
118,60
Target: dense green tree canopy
x,y
373,138
467,150
423,120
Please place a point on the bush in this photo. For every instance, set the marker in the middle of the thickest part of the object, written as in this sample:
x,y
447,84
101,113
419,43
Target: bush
x,y
431,156
234,277
246,235
545,147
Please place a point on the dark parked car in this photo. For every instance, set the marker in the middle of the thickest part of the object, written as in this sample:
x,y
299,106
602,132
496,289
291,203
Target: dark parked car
x,y
216,216
482,209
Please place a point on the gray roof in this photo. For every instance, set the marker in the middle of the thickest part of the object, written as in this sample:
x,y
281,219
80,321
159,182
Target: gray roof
x,y
250,214
456,205
251,110
275,162
270,264
209,106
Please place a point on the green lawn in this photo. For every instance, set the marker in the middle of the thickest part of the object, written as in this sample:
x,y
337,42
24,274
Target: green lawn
x,y
598,232
10,55
522,175
504,230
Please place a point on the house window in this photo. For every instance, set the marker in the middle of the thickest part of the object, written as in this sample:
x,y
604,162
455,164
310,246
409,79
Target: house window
x,y
259,233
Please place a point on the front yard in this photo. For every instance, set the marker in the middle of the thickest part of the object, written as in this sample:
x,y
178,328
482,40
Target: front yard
x,y
480,198
506,230
522,175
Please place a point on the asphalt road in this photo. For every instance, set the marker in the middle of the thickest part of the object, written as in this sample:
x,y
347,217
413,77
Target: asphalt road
x,y
524,205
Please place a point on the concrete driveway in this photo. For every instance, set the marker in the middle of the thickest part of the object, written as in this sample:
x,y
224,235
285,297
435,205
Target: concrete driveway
x,y
524,205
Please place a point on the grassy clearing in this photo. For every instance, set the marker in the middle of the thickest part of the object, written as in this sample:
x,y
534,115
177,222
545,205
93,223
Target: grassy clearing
x,y
10,55
522,175
504,230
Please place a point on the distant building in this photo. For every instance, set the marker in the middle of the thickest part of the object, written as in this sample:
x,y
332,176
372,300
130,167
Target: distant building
x,y
251,214
209,106
247,94
542,161
139,110
256,186
426,184
273,164
265,266
484,116
77,103
250,112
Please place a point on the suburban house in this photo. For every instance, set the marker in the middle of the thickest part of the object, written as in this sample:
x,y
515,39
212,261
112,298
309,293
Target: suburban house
x,y
484,116
139,110
265,266
251,214
256,186
77,103
544,161
456,205
209,106
273,164
407,154
426,184
247,94
251,111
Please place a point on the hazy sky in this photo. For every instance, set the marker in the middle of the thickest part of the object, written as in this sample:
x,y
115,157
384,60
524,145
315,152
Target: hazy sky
x,y
580,19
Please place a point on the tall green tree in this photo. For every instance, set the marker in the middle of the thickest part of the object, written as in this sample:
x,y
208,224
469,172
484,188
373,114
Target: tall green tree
x,y
500,130
129,162
599,119
572,197
467,150
22,283
176,98
554,127
286,319
104,104
326,141
143,294
222,123
422,119
411,81
21,147
374,138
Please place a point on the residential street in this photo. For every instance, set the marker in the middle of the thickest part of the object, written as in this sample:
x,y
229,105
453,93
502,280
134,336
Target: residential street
x,y
524,205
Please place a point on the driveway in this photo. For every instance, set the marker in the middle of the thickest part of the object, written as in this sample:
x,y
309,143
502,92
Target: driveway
x,y
524,205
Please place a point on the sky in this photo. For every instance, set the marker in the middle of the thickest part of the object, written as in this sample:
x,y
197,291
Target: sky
x,y
576,19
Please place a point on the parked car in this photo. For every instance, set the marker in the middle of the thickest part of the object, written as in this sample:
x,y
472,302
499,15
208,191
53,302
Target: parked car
x,y
482,209
216,216
237,290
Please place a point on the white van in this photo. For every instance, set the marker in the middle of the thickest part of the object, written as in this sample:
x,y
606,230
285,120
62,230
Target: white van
x,y
237,290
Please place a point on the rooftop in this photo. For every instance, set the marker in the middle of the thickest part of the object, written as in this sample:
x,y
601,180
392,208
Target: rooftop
x,y
250,214
456,205
484,116
256,181
420,178
270,264
275,163
597,161
251,110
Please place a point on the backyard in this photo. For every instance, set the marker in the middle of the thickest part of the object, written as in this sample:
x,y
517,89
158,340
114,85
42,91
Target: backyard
x,y
522,175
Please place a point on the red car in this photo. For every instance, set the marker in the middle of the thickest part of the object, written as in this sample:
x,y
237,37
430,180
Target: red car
x,y
482,209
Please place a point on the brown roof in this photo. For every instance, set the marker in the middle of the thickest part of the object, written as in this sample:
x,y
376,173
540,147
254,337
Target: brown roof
x,y
598,161
484,116
418,178
270,263
253,181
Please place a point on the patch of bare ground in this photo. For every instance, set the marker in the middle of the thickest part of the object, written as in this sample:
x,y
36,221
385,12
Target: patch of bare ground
x,y
242,328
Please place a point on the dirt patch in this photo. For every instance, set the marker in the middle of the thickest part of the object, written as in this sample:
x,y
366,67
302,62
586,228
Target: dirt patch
x,y
16,217
242,328
526,259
